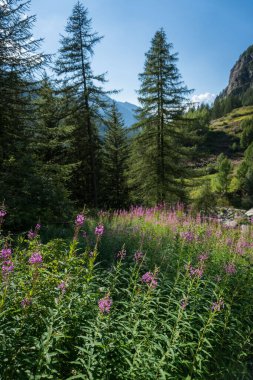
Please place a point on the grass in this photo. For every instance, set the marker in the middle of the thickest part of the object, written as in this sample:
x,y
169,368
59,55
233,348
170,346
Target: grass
x,y
231,122
158,294
224,133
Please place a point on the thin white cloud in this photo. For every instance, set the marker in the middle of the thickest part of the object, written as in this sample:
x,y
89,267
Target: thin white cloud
x,y
207,97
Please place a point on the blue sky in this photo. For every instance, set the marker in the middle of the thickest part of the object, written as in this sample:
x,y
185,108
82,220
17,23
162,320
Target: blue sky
x,y
209,36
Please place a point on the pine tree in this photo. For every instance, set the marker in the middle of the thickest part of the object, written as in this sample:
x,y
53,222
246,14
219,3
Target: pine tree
x,y
86,97
20,62
115,153
158,159
224,167
198,120
245,177
247,132
51,147
218,108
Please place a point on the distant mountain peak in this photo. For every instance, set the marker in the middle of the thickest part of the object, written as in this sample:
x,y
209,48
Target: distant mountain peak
x,y
127,111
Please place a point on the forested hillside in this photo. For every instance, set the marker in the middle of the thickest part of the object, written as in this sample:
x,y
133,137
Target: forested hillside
x,y
65,144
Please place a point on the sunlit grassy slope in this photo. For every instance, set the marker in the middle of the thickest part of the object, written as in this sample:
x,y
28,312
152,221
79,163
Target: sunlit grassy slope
x,y
223,137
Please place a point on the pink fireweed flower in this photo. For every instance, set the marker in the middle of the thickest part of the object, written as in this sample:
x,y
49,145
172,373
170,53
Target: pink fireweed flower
x,y
218,234
197,272
105,304
194,272
230,268
31,235
149,278
241,246
203,257
62,287
99,230
36,258
79,220
2,213
218,305
26,302
5,253
102,213
138,256
184,303
7,267
229,242
187,236
121,254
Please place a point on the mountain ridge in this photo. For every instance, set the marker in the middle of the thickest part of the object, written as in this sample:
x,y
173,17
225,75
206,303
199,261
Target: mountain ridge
x,y
127,111
241,74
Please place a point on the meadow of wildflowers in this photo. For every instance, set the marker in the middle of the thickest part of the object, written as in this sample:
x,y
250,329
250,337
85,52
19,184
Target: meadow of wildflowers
x,y
139,294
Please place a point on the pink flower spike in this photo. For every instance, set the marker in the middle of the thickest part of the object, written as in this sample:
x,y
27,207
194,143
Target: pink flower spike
x,y
203,257
230,268
121,254
105,304
62,287
7,267
183,303
36,258
149,278
79,220
2,213
138,256
5,253
32,234
26,302
218,305
99,230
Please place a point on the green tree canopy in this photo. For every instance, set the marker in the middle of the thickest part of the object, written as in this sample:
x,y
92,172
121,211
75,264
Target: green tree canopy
x,y
158,158
224,167
20,64
85,95
247,133
115,154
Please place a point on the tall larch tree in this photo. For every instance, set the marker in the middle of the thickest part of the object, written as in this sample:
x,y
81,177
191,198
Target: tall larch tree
x,y
115,154
20,64
158,158
85,95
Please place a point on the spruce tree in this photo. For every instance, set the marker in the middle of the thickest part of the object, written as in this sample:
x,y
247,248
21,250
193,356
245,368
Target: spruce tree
x,y
115,153
51,147
224,167
245,178
158,159
247,133
20,62
85,95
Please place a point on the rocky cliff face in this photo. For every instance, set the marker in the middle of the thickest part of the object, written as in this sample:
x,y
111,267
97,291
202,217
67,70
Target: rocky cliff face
x,y
241,75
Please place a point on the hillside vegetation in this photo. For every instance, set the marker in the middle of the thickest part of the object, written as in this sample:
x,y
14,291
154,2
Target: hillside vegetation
x,y
224,137
136,295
